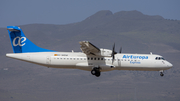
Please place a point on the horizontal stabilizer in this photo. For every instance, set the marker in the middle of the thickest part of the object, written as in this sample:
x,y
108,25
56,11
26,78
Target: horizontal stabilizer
x,y
13,28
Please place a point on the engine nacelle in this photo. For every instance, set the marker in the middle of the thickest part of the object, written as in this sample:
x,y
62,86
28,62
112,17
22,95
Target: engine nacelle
x,y
105,52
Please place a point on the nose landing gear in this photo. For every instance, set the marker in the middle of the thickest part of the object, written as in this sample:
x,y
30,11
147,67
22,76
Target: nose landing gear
x,y
96,71
161,73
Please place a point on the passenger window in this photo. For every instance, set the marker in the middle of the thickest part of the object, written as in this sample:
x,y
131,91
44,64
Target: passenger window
x,y
91,58
101,58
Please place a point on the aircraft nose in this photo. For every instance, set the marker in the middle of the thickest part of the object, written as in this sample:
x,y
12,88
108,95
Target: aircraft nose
x,y
169,65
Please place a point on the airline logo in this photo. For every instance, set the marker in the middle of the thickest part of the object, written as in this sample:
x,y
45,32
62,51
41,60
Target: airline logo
x,y
135,57
20,41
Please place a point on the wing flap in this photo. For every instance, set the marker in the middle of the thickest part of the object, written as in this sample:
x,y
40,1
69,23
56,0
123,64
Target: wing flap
x,y
88,48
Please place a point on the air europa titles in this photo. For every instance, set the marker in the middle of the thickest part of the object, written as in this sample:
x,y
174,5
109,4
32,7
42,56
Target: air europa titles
x,y
135,57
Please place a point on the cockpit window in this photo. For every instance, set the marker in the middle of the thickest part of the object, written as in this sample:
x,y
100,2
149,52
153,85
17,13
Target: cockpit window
x,y
159,58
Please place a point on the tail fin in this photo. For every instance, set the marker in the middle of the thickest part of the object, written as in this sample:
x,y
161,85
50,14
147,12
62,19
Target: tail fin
x,y
20,43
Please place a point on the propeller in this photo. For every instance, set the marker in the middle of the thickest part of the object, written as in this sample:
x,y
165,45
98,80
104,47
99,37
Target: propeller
x,y
114,52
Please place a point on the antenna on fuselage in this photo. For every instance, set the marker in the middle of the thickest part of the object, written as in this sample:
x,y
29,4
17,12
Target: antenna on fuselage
x,y
151,53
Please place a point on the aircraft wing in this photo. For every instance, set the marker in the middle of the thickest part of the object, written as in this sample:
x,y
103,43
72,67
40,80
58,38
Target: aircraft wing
x,y
88,48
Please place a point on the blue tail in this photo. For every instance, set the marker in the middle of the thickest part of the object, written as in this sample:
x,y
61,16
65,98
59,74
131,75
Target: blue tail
x,y
20,43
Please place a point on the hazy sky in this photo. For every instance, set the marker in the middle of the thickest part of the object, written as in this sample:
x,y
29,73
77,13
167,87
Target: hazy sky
x,y
21,12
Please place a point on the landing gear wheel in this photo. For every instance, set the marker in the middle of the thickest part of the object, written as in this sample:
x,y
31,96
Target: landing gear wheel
x,y
96,72
161,74
93,72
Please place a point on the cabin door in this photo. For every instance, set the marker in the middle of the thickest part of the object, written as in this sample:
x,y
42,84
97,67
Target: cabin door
x,y
119,62
48,60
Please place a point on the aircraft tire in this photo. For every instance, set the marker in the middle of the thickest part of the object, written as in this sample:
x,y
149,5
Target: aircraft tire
x,y
93,72
98,73
161,74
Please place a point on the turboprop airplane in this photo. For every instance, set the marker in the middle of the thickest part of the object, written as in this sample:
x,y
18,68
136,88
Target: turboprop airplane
x,y
91,58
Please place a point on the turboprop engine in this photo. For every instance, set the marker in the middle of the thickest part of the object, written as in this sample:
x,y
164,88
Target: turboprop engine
x,y
105,52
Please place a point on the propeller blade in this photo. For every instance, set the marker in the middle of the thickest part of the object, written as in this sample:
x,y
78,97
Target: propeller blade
x,y
120,50
113,59
113,47
113,52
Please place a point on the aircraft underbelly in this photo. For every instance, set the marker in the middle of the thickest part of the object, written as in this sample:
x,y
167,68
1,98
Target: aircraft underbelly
x,y
141,68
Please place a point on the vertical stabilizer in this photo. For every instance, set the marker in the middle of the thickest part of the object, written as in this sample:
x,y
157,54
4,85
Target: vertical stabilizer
x,y
20,43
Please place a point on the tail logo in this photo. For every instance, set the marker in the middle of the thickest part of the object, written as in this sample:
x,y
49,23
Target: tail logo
x,y
20,41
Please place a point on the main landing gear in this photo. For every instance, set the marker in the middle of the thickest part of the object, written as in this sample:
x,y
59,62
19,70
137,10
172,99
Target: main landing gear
x,y
161,73
96,71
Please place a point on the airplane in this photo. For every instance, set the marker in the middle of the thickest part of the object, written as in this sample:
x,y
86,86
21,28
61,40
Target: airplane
x,y
92,58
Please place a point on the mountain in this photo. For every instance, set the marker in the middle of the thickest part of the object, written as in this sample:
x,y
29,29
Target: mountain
x,y
133,30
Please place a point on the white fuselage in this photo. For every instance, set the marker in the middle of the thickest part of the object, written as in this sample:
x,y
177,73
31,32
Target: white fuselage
x,y
78,60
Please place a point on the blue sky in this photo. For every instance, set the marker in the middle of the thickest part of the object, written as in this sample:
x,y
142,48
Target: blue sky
x,y
21,12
